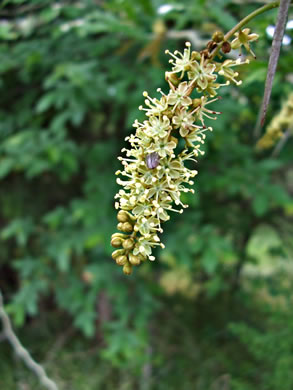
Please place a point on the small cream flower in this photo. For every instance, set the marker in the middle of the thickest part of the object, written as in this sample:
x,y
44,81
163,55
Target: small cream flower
x,y
225,70
243,38
202,73
181,62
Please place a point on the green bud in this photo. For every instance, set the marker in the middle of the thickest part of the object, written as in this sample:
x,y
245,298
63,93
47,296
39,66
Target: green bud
x,y
125,216
127,227
116,242
127,269
121,260
119,235
122,216
118,252
120,226
134,260
218,36
128,244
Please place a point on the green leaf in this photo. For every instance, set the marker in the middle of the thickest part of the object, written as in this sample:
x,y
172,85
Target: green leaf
x,y
209,261
6,166
46,102
85,321
260,204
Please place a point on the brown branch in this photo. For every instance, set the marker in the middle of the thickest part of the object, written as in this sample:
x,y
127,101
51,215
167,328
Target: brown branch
x,y
274,57
23,353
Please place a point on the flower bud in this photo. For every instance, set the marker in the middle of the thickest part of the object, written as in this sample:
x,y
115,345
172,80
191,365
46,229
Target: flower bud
x,y
128,244
120,235
120,226
127,268
116,242
118,252
121,260
122,216
226,47
134,260
218,36
127,227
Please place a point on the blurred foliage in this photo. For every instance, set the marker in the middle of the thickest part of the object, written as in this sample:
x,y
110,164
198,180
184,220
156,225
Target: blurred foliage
x,y
72,75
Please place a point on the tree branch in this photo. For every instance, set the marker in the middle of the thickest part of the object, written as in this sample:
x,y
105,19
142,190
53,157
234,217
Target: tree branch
x,y
273,62
21,351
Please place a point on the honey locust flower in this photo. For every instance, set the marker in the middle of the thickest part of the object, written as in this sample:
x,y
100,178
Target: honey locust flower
x,y
202,73
163,146
158,127
179,96
212,87
155,106
225,70
185,122
181,62
201,111
243,38
157,167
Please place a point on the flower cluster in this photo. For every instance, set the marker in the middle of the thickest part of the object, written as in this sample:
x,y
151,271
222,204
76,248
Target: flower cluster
x,y
155,173
278,125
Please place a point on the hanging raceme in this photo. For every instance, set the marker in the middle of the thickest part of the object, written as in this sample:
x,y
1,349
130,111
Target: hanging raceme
x,y
154,171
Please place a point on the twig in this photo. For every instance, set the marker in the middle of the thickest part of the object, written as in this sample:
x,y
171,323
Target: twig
x,y
22,352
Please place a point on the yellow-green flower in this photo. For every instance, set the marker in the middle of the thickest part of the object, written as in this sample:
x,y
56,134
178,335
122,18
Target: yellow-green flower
x,y
243,38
